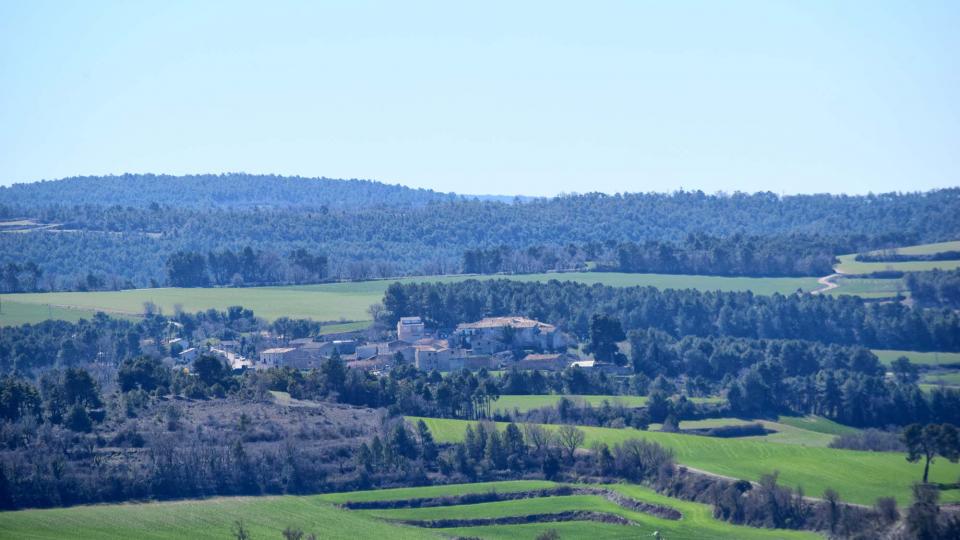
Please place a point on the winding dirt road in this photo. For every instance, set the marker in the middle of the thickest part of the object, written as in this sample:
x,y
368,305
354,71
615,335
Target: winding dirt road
x,y
827,283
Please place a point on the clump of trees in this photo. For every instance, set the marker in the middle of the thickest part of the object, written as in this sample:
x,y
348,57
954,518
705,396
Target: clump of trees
x,y
697,254
15,277
109,340
244,267
936,288
735,255
605,334
870,440
925,521
892,255
488,453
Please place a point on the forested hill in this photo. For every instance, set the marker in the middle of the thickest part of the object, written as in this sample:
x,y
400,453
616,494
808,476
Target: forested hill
x,y
131,239
234,190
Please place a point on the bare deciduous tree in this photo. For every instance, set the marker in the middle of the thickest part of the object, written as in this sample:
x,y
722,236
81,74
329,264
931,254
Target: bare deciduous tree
x,y
538,436
570,438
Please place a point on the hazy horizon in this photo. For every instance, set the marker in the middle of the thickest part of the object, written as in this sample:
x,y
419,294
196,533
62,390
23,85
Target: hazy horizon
x,y
490,194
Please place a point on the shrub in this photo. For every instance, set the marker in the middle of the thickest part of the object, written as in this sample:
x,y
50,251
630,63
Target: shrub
x,y
747,430
873,440
78,419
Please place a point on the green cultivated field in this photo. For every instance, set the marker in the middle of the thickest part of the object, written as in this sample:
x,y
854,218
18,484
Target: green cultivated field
x,y
265,517
887,356
670,281
349,301
509,486
17,313
870,288
209,519
788,434
817,424
849,264
343,327
951,378
524,403
805,431
508,403
859,477
697,521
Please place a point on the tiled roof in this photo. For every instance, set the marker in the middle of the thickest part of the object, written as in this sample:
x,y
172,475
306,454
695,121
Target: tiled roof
x,y
500,322
542,356
279,350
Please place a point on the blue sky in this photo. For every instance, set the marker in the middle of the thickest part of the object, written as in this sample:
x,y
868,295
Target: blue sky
x,y
489,97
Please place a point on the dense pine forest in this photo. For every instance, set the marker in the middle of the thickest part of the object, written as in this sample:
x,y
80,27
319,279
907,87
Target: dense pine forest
x,y
218,191
847,320
122,231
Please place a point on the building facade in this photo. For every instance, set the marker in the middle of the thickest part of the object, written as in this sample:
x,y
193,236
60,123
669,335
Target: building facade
x,y
411,329
495,334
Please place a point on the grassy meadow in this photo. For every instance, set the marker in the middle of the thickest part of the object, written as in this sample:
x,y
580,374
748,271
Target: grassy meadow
x,y
849,265
949,378
524,403
859,477
887,356
209,519
17,313
697,521
816,424
266,517
346,301
805,431
870,288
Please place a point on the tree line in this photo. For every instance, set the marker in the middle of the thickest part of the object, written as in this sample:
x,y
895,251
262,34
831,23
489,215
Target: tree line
x,y
16,277
244,267
843,320
765,378
936,288
697,253
893,255
737,255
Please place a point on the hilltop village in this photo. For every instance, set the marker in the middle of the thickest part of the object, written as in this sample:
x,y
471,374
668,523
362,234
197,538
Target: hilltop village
x,y
492,343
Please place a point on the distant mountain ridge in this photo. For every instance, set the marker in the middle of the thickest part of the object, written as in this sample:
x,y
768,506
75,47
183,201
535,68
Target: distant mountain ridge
x,y
236,190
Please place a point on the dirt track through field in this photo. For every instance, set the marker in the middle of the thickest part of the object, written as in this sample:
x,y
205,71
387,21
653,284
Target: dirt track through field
x,y
755,484
827,284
